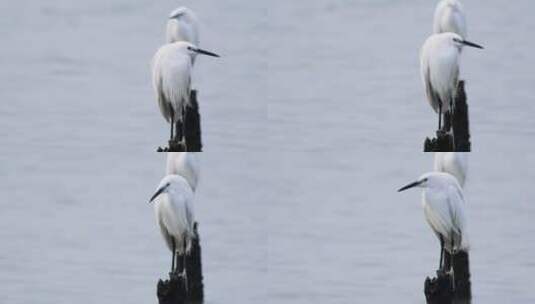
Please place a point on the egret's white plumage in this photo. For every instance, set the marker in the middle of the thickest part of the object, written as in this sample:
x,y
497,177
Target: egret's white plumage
x,y
172,67
450,17
171,78
454,163
439,67
183,26
173,206
444,209
185,164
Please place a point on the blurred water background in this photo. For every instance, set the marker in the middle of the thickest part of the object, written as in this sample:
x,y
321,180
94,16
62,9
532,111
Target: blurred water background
x,y
312,119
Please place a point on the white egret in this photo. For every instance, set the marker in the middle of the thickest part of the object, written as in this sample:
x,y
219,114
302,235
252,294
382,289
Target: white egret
x,y
185,164
444,209
450,17
173,206
439,67
171,79
454,163
183,26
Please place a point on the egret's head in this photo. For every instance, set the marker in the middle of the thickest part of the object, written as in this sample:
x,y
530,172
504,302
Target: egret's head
x,y
162,188
428,180
459,42
193,50
180,12
166,185
420,183
171,184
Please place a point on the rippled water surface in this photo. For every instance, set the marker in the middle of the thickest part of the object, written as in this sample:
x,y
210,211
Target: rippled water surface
x,y
311,119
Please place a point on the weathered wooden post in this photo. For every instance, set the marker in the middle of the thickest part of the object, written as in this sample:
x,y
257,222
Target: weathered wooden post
x,y
458,140
461,124
192,121
194,269
193,125
461,270
441,290
175,290
172,291
438,290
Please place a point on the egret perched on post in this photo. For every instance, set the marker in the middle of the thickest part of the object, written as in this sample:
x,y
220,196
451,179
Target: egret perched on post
x,y
450,17
443,204
439,67
171,78
185,164
173,206
454,163
183,26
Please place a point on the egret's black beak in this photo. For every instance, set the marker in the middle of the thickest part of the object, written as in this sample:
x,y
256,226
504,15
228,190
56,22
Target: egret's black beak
x,y
156,194
411,185
468,43
203,52
175,16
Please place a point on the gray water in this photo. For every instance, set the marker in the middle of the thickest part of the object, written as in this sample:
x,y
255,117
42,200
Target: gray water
x,y
311,120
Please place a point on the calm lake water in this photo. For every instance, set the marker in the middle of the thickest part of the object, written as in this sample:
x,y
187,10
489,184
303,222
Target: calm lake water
x,y
312,119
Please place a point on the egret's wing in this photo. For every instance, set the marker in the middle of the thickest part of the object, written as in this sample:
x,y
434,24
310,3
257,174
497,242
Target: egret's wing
x,y
189,217
457,209
443,74
157,83
182,204
176,79
437,214
160,215
163,103
432,95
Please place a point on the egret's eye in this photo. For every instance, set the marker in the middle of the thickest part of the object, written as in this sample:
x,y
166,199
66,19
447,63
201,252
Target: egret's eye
x,y
190,48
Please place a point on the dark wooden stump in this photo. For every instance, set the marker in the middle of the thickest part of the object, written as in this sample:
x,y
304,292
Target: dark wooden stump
x,y
461,269
453,137
194,269
192,120
442,143
461,124
173,290
193,125
440,289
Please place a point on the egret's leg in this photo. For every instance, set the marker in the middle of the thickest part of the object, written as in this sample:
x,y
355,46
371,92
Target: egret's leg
x,y
441,253
178,130
184,262
439,115
172,123
184,115
180,126
451,262
451,120
452,104
174,252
